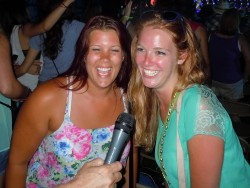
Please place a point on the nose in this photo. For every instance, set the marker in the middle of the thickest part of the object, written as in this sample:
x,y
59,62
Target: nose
x,y
105,55
148,58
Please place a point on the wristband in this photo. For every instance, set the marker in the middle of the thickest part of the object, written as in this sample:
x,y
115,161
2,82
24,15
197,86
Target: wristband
x,y
128,17
63,5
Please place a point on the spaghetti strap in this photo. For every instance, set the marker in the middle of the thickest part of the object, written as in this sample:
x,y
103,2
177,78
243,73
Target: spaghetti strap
x,y
69,99
124,99
69,102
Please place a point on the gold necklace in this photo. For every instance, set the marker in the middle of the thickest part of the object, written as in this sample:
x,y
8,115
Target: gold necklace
x,y
171,108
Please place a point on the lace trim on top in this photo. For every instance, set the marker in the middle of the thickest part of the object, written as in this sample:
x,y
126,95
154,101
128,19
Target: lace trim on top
x,y
211,116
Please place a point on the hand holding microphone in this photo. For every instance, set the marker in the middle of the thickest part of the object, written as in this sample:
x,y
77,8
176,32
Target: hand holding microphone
x,y
123,127
95,174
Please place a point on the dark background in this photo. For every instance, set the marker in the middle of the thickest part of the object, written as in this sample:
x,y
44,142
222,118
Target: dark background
x,y
113,7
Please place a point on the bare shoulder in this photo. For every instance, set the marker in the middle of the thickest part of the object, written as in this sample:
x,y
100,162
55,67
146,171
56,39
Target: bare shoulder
x,y
202,31
243,40
44,108
48,93
4,41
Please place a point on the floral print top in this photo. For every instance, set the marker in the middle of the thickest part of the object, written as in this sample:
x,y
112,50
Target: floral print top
x,y
64,152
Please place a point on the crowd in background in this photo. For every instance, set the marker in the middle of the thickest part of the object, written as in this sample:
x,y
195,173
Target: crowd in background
x,y
222,34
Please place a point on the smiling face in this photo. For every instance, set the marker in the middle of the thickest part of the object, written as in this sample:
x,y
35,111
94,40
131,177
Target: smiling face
x,y
156,57
104,58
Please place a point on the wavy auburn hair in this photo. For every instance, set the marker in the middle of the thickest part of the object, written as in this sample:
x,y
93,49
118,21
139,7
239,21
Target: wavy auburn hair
x,y
144,102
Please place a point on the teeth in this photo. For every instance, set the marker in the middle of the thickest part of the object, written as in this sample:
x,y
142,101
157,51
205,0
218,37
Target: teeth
x,y
104,69
150,72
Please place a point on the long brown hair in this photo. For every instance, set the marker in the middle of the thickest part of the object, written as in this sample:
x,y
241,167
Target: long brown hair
x,y
78,67
230,22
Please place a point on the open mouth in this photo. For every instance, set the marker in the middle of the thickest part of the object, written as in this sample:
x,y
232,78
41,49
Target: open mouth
x,y
103,71
150,72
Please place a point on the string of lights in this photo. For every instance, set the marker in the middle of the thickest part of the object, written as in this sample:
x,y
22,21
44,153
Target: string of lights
x,y
239,4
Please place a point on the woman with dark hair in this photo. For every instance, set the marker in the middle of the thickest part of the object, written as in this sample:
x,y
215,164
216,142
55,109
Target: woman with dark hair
x,y
56,45
69,120
226,49
21,33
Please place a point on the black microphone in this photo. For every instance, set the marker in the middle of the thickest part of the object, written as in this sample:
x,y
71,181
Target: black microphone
x,y
123,127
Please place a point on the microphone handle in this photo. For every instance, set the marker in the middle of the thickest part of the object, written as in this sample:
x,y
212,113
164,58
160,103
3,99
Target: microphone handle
x,y
118,142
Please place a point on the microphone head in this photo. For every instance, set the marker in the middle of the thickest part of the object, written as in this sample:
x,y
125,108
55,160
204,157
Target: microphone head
x,y
125,121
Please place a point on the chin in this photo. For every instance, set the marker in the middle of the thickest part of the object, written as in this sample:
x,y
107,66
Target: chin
x,y
149,85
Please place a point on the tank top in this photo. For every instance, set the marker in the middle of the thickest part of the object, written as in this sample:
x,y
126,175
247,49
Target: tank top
x,y
27,79
224,54
62,153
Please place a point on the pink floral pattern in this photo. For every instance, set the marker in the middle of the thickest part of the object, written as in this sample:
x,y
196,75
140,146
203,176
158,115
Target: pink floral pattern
x,y
64,152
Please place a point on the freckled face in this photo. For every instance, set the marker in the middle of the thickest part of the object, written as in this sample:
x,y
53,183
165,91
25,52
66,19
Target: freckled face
x,y
156,57
104,58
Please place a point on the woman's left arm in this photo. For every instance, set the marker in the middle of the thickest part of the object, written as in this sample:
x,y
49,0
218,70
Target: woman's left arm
x,y
30,29
206,158
245,49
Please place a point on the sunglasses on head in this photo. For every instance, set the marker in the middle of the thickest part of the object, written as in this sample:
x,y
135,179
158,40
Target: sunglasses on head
x,y
168,16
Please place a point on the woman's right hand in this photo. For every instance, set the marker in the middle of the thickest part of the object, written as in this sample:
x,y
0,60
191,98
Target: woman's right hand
x,y
35,68
96,174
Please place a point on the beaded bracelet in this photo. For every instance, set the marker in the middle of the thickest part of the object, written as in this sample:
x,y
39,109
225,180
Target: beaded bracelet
x,y
128,17
63,5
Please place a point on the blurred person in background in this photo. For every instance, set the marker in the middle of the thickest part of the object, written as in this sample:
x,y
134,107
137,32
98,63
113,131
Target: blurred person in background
x,y
215,12
226,47
57,45
10,88
21,33
188,9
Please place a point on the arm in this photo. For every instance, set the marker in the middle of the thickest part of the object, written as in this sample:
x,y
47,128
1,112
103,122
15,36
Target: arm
x,y
245,49
35,68
95,174
203,41
206,158
32,125
9,85
31,29
27,63
127,12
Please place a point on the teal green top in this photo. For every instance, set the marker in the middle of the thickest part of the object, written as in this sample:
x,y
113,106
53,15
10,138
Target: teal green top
x,y
202,113
5,124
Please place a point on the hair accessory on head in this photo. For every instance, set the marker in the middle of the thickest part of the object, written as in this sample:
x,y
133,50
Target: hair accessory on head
x,y
168,16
